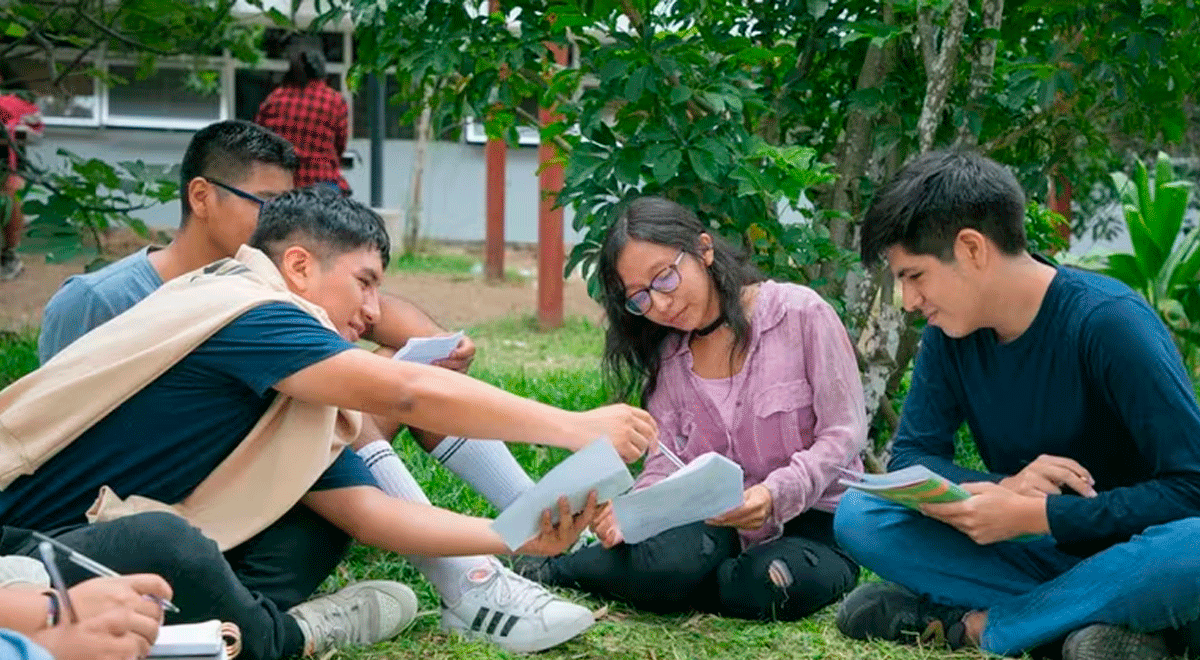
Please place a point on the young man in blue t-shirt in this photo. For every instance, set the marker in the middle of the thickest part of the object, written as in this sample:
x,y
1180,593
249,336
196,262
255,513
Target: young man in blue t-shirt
x,y
229,169
1084,417
165,439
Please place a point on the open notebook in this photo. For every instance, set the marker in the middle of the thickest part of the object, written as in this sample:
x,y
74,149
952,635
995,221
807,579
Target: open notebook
x,y
708,486
195,641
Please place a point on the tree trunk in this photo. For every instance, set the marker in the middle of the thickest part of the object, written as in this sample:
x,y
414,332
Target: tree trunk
x,y
856,146
939,73
412,220
982,65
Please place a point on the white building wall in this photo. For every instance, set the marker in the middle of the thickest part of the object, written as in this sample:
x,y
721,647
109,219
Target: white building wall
x,y
453,186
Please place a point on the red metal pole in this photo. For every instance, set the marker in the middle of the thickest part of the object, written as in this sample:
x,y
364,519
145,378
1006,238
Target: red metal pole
x,y
495,155
550,222
1059,199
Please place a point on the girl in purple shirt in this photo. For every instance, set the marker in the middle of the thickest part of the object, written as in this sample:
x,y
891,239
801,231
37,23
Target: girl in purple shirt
x,y
758,371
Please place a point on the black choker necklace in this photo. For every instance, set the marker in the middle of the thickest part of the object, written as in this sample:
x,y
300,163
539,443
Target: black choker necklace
x,y
711,327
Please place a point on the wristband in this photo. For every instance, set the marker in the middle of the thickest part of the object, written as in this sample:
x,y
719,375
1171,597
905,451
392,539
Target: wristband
x,y
53,608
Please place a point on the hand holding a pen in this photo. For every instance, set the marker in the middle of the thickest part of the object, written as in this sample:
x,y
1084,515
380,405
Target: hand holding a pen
x,y
116,619
141,594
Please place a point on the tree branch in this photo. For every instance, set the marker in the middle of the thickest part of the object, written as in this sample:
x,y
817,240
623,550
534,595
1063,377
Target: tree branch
x,y
982,66
927,35
938,79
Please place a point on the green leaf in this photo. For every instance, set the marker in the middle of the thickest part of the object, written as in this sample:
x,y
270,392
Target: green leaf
x,y
666,165
703,164
818,8
15,31
1170,205
680,94
636,84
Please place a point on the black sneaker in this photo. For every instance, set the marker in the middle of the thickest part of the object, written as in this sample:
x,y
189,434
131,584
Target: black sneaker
x,y
1104,642
882,610
533,568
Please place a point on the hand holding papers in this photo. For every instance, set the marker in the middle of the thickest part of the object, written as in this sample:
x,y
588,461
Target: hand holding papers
x,y
708,486
428,350
595,467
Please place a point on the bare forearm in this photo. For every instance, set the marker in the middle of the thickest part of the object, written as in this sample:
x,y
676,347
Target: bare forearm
x,y
406,528
399,321
433,399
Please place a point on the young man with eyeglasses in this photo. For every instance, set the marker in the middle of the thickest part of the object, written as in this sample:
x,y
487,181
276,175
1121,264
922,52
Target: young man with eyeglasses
x,y
229,170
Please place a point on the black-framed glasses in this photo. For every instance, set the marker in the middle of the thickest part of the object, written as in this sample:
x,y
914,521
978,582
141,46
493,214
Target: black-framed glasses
x,y
666,281
236,191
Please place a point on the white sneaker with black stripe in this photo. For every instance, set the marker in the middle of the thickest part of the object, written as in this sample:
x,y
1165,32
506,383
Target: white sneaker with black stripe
x,y
512,612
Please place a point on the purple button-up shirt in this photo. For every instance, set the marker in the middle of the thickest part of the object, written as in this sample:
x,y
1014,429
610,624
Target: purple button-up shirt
x,y
798,407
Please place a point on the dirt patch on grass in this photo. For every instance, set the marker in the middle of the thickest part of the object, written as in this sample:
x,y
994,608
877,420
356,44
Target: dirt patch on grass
x,y
455,301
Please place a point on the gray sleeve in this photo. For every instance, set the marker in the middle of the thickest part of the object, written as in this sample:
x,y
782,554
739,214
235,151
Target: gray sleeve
x,y
71,312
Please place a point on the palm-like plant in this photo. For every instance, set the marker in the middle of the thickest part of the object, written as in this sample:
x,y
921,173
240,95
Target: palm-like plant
x,y
1165,259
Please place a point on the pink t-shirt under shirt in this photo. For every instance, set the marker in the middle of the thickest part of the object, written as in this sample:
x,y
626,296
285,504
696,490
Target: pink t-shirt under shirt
x,y
797,415
723,392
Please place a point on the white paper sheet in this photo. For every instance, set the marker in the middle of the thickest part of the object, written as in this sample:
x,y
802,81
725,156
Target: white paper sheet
x,y
189,640
428,349
595,467
708,486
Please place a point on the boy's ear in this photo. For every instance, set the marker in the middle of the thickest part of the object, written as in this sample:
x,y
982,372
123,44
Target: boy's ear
x,y
972,248
200,196
298,266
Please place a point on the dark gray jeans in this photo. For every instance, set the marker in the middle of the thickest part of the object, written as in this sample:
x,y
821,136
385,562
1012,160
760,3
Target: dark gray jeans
x,y
252,585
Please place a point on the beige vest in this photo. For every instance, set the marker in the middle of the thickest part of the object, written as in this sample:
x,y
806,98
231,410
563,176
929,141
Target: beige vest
x,y
269,471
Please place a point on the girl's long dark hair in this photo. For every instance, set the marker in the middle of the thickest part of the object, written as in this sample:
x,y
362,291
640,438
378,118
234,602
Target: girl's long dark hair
x,y
306,63
633,344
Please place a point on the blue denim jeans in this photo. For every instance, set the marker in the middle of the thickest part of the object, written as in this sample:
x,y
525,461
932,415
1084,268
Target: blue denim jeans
x,y
1033,592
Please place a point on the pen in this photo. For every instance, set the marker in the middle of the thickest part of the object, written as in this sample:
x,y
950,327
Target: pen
x,y
666,451
95,567
56,581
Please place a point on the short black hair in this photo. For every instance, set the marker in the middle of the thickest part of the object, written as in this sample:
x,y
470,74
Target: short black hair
x,y
324,221
227,150
926,205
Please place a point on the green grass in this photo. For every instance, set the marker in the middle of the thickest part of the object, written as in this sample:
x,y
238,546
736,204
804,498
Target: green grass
x,y
433,262
559,368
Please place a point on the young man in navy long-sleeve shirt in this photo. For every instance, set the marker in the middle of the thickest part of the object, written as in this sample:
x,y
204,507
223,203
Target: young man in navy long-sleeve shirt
x,y
1085,419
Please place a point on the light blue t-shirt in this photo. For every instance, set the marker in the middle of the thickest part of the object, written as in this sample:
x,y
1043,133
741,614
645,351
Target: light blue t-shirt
x,y
86,301
15,646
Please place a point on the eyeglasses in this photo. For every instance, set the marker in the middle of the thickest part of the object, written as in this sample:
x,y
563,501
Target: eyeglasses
x,y
236,191
666,281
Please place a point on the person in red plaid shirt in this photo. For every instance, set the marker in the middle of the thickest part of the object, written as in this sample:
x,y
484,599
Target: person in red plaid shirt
x,y
310,114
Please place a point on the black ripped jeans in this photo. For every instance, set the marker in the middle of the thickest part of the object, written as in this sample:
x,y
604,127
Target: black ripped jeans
x,y
699,567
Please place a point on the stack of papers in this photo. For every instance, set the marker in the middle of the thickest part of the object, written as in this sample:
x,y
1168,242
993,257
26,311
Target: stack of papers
x,y
912,486
709,486
595,467
190,641
427,350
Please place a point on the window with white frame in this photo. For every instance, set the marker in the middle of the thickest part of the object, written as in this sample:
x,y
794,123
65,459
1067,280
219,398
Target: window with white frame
x,y
163,99
160,100
65,97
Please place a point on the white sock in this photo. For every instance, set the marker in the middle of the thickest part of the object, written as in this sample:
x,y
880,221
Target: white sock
x,y
445,573
487,465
